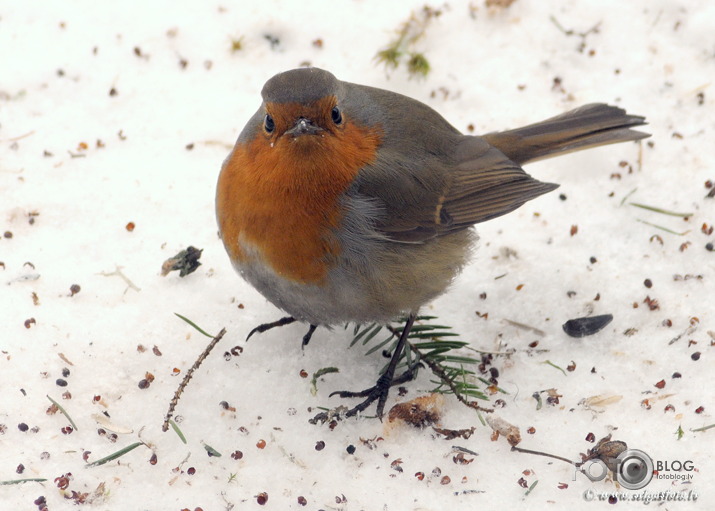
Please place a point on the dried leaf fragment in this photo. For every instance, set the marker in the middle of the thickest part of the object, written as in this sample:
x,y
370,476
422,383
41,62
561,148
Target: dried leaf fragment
x,y
186,261
503,428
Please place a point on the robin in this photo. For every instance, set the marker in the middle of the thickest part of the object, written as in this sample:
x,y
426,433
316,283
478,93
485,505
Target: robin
x,y
346,203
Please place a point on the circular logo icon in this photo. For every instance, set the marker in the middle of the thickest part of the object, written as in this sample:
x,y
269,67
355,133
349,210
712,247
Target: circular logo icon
x,y
634,469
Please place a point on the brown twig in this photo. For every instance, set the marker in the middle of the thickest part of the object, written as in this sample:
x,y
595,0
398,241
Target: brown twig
x,y
189,374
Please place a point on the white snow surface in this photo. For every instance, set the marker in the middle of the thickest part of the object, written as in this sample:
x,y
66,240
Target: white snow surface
x,y
82,163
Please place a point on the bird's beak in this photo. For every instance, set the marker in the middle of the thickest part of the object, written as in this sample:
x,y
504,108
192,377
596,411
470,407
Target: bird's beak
x,y
304,126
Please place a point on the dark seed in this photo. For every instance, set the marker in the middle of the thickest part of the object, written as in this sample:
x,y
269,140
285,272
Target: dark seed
x,y
350,449
581,327
60,382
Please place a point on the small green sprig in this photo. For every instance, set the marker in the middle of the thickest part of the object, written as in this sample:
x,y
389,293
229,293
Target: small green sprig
x,y
434,346
403,47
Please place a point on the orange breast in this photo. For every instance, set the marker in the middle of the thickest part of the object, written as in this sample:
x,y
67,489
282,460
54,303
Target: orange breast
x,y
284,199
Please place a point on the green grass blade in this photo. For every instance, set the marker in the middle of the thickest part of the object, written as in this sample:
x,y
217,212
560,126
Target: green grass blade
x,y
660,210
114,456
64,412
22,481
194,325
176,429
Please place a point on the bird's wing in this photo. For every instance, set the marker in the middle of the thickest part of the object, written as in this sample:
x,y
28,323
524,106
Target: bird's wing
x,y
431,196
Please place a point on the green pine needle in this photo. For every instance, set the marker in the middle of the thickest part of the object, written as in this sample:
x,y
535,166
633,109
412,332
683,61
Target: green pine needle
x,y
64,412
115,455
194,325
22,481
176,429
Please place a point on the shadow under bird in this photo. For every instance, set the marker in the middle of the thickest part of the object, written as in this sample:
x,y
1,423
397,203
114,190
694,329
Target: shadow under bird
x,y
346,203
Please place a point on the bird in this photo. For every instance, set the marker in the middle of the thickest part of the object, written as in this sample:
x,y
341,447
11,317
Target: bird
x,y
344,203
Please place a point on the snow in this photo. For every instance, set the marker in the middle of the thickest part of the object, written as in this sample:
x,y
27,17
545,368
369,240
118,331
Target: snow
x,y
159,85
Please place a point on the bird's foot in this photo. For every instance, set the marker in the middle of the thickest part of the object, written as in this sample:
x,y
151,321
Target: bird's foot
x,y
377,392
282,322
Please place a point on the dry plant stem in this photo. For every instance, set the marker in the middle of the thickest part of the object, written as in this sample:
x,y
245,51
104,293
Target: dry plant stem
x,y
189,374
539,453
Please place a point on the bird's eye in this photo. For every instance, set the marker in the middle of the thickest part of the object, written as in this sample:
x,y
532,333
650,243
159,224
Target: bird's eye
x,y
268,124
336,115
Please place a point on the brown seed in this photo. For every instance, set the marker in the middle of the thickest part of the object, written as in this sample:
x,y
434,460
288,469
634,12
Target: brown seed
x,y
130,226
522,482
191,471
591,437
574,230
660,384
669,408
261,444
700,409
302,501
156,351
236,455
647,283
153,459
30,322
531,430
262,498
445,480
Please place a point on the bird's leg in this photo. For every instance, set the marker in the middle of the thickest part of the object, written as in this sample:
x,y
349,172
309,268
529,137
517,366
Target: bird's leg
x,y
308,336
282,322
267,326
381,388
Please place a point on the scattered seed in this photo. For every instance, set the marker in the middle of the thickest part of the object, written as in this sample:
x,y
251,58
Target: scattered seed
x,y
262,498
647,283
23,427
30,322
660,384
350,449
669,408
700,409
144,384
191,471
153,459
236,455
677,375
695,356
582,327
130,226
261,444
319,445
591,437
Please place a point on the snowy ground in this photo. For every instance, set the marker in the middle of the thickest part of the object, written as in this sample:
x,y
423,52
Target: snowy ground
x,y
123,112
